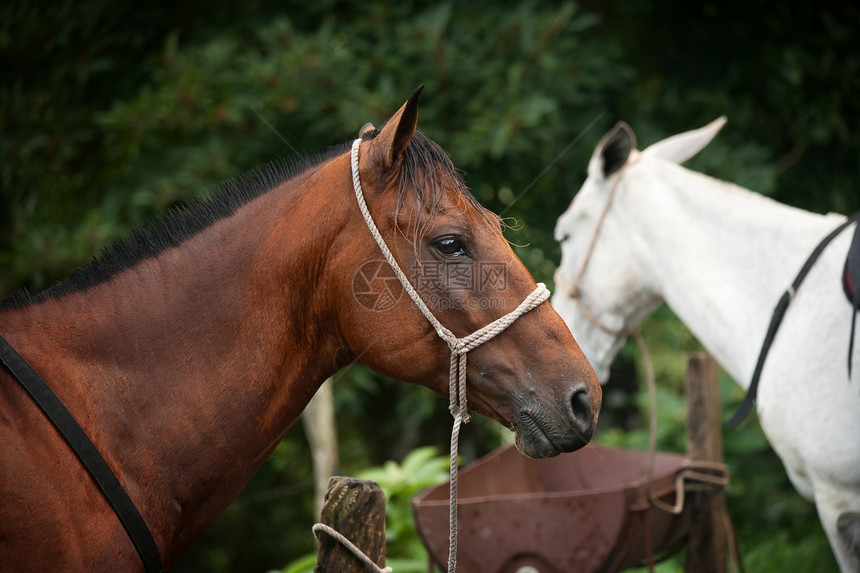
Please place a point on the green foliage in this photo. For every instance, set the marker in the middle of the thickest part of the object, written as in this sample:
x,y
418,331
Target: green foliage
x,y
210,110
784,75
420,469
304,564
64,64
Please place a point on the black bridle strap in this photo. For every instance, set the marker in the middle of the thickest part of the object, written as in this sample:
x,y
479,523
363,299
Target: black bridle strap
x,y
776,320
86,451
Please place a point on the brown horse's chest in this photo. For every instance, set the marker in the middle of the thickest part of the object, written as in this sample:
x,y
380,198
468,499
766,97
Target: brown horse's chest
x,y
51,513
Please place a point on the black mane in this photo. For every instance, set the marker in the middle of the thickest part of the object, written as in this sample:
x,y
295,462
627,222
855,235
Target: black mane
x,y
426,168
177,225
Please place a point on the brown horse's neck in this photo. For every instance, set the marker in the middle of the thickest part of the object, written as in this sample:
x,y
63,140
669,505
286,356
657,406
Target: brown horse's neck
x,y
188,368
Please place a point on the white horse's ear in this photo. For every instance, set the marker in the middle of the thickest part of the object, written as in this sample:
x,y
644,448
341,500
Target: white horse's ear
x,y
613,150
681,147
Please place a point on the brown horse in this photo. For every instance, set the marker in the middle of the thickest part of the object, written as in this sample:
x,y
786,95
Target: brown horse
x,y
187,351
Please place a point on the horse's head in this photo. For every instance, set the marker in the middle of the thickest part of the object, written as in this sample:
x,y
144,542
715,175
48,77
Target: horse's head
x,y
604,283
531,377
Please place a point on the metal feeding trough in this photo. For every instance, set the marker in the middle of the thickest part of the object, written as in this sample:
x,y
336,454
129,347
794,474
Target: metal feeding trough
x,y
585,511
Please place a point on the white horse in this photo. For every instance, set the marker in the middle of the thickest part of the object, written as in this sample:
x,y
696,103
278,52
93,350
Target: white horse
x,y
643,230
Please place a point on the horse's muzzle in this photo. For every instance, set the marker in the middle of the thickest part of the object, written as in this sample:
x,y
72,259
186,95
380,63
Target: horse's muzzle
x,y
539,435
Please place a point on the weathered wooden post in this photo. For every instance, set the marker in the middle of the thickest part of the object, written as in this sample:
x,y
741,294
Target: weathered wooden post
x,y
708,540
356,509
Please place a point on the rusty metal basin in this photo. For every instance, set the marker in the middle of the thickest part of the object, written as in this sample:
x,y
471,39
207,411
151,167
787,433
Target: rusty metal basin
x,y
586,511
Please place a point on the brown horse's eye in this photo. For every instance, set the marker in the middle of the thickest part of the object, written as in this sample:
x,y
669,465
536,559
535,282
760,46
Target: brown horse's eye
x,y
450,247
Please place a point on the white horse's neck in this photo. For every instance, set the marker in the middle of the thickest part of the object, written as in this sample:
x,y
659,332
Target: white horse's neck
x,y
719,255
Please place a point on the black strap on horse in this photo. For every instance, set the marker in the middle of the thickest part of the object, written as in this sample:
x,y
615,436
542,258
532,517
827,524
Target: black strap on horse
x,y
851,286
86,451
779,313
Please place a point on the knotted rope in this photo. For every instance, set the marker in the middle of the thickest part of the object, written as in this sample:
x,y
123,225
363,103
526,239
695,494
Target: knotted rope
x,y
460,348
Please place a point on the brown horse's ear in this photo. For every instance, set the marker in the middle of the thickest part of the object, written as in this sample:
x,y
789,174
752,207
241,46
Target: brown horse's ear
x,y
388,147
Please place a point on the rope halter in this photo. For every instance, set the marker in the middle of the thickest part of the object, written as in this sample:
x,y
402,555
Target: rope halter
x,y
460,347
572,289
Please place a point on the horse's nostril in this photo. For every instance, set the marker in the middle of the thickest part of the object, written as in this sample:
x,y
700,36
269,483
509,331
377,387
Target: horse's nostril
x,y
583,414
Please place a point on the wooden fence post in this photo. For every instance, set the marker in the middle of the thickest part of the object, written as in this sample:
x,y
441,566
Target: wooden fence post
x,y
708,541
356,509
